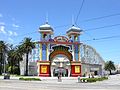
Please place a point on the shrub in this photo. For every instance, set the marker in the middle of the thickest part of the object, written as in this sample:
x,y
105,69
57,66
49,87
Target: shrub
x,y
94,79
91,79
30,79
99,79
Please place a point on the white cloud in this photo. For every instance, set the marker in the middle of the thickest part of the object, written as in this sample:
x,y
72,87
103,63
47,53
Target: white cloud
x,y
10,40
1,15
16,26
10,33
2,29
15,34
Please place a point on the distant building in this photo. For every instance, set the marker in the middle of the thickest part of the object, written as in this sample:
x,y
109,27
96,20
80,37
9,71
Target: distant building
x,y
64,55
118,68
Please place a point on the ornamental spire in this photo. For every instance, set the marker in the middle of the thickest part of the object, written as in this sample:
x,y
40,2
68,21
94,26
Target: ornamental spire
x,y
73,22
47,18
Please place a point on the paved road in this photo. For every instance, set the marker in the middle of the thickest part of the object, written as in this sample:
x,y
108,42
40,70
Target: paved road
x,y
67,84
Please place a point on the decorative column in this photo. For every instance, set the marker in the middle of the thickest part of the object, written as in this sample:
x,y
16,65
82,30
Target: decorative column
x,y
73,53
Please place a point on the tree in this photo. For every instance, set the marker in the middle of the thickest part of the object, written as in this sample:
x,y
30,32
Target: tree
x,y
109,66
14,58
17,55
3,51
11,60
26,47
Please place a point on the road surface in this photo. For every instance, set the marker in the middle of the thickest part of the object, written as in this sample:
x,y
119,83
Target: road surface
x,y
113,83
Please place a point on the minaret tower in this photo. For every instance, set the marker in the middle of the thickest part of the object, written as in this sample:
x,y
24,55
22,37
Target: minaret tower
x,y
44,64
73,34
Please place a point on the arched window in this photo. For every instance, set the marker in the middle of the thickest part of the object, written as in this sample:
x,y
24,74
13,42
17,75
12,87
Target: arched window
x,y
44,36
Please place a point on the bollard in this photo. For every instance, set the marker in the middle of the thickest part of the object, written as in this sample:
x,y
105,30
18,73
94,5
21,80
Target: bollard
x,y
78,79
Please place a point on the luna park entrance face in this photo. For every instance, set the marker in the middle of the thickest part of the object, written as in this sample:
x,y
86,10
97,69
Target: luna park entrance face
x,y
60,65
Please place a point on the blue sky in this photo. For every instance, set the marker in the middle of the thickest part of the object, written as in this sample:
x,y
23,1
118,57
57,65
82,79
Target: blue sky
x,y
20,17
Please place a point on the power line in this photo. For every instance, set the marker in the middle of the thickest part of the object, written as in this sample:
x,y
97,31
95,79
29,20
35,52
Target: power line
x,y
107,26
95,39
91,19
101,17
102,38
79,11
84,30
66,25
96,18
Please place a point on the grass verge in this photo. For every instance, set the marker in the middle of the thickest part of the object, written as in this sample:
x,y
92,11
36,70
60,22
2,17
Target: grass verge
x,y
30,79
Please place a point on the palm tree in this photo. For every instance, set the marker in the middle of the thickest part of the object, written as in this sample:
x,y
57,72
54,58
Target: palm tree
x,y
14,58
26,48
3,51
17,55
109,66
11,61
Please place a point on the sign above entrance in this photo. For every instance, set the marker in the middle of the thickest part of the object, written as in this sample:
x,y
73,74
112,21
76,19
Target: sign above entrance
x,y
61,39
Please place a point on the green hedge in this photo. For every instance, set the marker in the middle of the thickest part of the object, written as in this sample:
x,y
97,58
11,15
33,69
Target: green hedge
x,y
30,79
93,79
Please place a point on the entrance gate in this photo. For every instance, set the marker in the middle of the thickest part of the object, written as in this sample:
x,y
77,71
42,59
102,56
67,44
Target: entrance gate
x,y
60,61
60,65
62,71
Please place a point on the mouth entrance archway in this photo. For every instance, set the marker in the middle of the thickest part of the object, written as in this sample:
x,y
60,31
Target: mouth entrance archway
x,y
60,61
60,65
